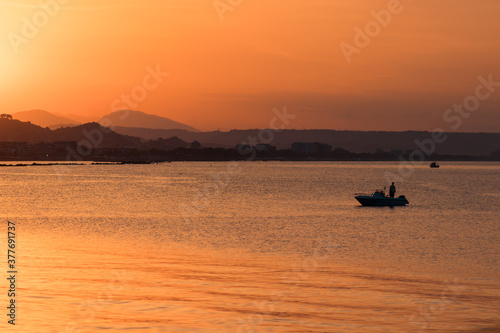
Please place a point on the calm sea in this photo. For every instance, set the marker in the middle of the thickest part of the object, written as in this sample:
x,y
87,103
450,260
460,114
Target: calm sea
x,y
251,247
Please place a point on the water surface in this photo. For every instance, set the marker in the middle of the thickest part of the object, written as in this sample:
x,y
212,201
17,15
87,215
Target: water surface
x,y
254,247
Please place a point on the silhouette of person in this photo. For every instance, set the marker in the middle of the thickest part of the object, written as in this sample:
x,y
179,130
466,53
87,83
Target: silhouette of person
x,y
392,190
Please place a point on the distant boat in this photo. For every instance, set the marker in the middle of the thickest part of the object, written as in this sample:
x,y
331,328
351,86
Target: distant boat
x,y
380,199
434,165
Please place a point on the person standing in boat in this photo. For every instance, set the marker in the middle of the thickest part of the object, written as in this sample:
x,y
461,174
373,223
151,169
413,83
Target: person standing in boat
x,y
392,190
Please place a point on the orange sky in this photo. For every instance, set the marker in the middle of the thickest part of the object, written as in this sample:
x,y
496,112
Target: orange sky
x,y
231,73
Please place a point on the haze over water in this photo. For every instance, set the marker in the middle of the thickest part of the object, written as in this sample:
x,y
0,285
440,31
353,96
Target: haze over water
x,y
283,247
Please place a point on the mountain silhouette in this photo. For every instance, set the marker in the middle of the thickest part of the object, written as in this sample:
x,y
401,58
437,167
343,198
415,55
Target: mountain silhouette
x,y
473,144
44,118
18,131
166,144
128,118
94,132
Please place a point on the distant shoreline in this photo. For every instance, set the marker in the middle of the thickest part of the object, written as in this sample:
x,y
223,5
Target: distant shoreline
x,y
42,163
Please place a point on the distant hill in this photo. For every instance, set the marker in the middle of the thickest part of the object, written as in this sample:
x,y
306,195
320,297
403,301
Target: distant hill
x,y
166,144
127,118
44,118
154,134
109,138
474,144
18,131
186,136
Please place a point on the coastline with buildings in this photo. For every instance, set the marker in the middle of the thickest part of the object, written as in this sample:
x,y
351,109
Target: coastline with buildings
x,y
72,151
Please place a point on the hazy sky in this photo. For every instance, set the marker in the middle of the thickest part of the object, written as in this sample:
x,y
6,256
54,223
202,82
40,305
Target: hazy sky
x,y
229,65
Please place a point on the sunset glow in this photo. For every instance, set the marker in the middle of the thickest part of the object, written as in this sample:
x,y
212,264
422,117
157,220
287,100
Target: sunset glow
x,y
261,166
229,65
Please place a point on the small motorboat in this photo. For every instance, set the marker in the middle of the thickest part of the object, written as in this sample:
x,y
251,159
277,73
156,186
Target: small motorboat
x,y
380,199
434,165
